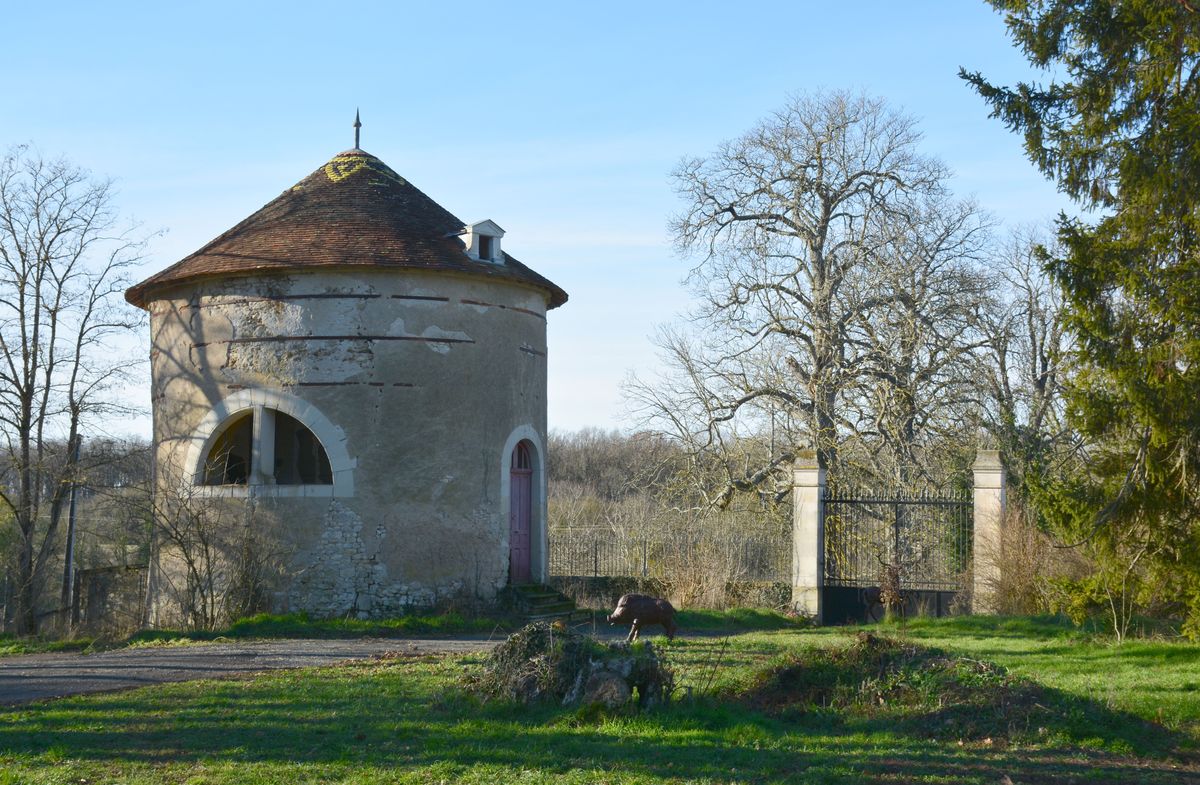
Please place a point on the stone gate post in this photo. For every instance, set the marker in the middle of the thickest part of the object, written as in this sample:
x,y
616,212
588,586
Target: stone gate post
x,y
989,518
808,535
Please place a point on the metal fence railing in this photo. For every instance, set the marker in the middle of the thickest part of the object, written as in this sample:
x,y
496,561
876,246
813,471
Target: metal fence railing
x,y
927,536
742,556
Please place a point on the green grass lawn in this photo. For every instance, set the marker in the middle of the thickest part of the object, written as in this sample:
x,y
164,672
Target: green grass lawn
x,y
11,646
408,720
1155,679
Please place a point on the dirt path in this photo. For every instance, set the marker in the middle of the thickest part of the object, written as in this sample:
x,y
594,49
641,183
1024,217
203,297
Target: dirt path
x,y
39,676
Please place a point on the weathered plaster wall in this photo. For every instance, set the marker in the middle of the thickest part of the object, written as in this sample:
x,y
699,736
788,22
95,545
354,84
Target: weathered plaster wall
x,y
425,378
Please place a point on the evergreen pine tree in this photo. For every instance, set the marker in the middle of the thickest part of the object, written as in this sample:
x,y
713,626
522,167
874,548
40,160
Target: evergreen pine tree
x,y
1117,126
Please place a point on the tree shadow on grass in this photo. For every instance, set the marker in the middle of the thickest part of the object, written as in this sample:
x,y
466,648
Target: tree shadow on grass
x,y
1173,653
1054,718
399,720
1025,628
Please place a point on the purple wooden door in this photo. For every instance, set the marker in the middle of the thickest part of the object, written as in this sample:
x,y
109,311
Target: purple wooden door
x,y
520,504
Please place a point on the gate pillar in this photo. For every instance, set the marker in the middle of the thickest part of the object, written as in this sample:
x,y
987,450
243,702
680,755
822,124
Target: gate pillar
x,y
989,518
808,536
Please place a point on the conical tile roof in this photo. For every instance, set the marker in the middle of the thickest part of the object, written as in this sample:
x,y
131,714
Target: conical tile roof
x,y
352,212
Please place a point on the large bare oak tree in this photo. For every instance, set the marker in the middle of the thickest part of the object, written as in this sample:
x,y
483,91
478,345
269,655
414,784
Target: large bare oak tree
x,y
835,274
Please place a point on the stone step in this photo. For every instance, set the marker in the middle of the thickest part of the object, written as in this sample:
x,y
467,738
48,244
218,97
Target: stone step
x,y
539,602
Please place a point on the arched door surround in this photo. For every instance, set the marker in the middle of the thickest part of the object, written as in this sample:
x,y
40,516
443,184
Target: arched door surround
x,y
520,539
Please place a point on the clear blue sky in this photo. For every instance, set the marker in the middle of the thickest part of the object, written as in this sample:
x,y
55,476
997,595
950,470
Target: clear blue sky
x,y
560,121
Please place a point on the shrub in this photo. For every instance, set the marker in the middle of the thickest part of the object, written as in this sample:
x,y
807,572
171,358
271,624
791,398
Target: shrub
x,y
1033,570
553,663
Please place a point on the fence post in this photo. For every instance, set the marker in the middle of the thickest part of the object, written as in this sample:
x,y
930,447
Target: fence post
x,y
896,535
595,558
988,520
808,535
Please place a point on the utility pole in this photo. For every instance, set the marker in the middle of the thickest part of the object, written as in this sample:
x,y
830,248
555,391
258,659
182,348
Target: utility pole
x,y
70,607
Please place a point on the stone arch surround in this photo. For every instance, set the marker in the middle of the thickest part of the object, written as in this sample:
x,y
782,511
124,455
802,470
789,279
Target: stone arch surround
x,y
539,564
332,438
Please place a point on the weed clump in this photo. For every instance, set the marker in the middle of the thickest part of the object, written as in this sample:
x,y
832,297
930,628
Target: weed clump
x,y
909,687
541,662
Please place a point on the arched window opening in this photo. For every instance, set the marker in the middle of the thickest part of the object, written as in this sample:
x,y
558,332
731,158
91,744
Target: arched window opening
x,y
299,457
522,458
228,461
266,447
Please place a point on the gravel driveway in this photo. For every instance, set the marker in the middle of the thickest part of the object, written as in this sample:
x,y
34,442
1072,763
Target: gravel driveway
x,y
39,676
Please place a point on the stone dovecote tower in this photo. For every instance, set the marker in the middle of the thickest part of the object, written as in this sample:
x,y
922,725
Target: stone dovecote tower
x,y
352,384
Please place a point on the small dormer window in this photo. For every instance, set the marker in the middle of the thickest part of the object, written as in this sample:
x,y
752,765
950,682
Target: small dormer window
x,y
482,239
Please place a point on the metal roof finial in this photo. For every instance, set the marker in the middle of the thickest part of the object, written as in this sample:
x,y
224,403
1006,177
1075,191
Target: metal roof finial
x,y
357,125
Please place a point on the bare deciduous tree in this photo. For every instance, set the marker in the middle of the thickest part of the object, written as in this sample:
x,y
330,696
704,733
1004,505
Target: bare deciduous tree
x,y
63,263
824,238
1028,362
214,559
919,349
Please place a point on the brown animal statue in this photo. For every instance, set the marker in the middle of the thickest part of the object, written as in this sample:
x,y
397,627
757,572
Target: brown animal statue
x,y
638,610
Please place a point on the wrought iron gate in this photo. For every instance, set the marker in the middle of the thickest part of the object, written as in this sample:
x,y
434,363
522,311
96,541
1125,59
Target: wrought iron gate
x,y
926,536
